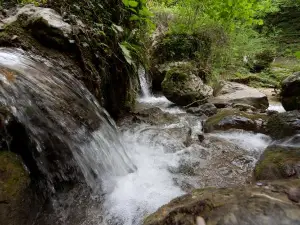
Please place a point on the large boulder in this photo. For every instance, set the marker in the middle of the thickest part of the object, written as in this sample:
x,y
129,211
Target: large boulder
x,y
262,204
290,92
229,93
234,119
278,162
17,202
174,49
183,87
284,124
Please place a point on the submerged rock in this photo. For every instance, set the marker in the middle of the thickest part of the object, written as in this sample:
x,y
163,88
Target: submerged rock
x,y
234,93
263,204
284,124
183,87
278,162
227,119
290,92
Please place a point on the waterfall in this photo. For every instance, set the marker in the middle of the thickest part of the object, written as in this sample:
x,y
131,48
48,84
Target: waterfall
x,y
56,108
144,83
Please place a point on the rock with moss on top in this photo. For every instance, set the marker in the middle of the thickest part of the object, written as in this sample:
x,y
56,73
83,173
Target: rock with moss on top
x,y
282,125
183,87
174,49
261,204
227,119
278,162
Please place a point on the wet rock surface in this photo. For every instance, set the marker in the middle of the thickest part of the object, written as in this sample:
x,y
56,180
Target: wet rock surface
x,y
207,109
227,119
18,203
290,92
230,92
284,124
262,204
183,87
279,162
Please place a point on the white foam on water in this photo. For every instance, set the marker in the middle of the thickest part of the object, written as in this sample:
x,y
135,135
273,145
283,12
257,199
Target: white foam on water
x,y
246,140
161,102
142,192
276,107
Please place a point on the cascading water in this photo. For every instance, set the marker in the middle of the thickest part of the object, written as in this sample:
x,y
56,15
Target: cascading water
x,y
55,107
144,83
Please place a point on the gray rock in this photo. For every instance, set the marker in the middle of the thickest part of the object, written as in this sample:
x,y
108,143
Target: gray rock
x,y
278,162
284,124
45,24
290,92
227,119
234,93
207,109
268,203
183,87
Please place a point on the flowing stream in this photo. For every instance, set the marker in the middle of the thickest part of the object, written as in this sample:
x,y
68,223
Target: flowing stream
x,y
139,168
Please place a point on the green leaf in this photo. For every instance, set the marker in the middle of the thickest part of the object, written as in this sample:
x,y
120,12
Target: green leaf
x,y
125,2
297,54
133,4
126,54
134,17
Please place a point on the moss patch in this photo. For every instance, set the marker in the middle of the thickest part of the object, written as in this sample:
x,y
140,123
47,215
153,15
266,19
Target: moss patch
x,y
278,163
13,177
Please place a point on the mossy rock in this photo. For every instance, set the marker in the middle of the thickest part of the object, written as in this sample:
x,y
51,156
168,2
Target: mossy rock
x,y
13,177
227,119
284,124
18,204
278,162
183,87
263,204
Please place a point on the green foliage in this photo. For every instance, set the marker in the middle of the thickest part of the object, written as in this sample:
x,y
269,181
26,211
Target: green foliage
x,y
35,2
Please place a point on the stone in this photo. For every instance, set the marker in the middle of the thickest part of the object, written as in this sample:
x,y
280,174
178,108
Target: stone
x,y
290,92
278,162
184,88
266,204
174,49
230,93
17,202
284,124
45,24
207,109
227,119
159,71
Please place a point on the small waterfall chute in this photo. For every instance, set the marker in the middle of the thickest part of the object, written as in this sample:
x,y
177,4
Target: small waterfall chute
x,y
60,113
144,82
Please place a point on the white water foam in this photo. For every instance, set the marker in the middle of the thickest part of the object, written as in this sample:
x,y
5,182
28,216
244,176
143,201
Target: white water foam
x,y
276,107
253,142
161,102
142,192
